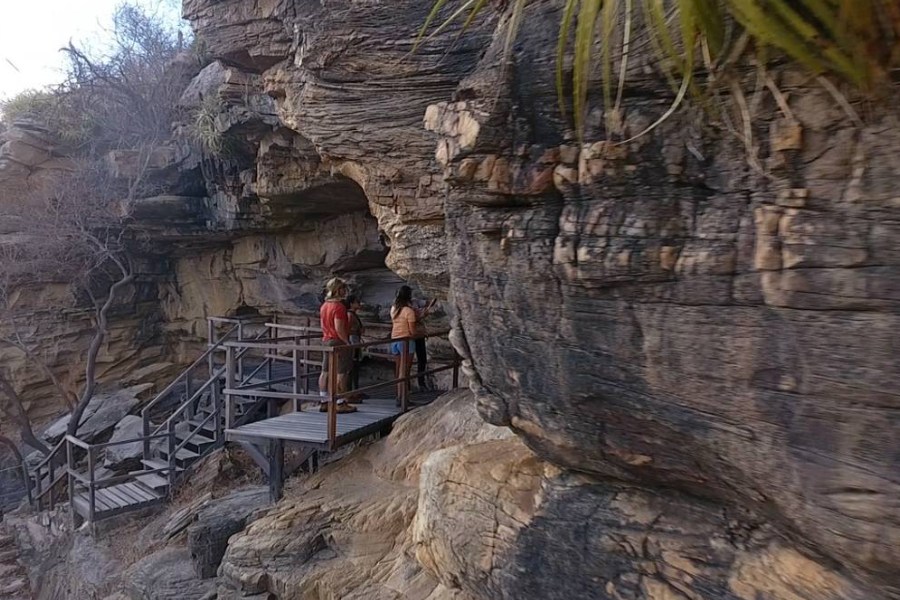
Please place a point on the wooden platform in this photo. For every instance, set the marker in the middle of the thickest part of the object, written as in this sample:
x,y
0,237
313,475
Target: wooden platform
x,y
117,499
311,427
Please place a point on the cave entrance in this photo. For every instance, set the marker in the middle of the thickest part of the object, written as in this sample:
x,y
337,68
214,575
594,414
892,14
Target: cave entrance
x,y
333,233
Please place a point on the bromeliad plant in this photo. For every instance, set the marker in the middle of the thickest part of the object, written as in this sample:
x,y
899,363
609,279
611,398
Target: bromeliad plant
x,y
856,40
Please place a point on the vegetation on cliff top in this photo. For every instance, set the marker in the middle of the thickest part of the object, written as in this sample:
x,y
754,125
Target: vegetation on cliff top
x,y
73,228
856,40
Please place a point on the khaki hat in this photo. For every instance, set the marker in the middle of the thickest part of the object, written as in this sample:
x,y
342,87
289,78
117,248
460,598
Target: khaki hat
x,y
334,287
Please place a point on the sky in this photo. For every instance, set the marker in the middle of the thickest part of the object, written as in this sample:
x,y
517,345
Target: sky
x,y
33,31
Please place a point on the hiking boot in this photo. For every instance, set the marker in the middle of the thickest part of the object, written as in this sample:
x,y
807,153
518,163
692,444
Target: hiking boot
x,y
355,397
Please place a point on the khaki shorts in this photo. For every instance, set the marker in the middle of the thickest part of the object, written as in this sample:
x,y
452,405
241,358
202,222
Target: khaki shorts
x,y
344,358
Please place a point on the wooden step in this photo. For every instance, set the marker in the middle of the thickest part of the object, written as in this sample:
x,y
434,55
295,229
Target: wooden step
x,y
152,481
196,442
155,463
198,424
195,436
116,499
182,458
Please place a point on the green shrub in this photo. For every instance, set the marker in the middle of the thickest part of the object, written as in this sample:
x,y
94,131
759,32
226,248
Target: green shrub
x,y
855,40
204,126
34,104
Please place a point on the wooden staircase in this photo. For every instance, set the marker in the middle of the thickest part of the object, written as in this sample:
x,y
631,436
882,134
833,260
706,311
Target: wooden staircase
x,y
221,398
182,424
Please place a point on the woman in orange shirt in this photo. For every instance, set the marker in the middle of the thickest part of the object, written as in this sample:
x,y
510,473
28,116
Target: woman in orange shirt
x,y
403,325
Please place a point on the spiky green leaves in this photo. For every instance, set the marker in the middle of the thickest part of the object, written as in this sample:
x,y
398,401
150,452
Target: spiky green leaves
x,y
858,40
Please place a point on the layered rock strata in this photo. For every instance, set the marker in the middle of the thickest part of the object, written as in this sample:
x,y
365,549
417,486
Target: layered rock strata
x,y
680,311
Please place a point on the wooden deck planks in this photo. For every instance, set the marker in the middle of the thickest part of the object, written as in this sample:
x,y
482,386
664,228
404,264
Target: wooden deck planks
x,y
312,426
115,499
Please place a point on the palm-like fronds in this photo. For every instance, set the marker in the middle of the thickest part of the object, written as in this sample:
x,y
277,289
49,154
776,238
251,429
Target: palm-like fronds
x,y
857,40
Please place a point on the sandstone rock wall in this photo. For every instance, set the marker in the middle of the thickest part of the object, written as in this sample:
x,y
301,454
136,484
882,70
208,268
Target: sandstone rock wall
x,y
690,311
449,507
345,83
691,333
682,313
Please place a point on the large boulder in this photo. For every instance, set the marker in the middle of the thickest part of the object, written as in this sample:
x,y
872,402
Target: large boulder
x,y
678,311
345,532
364,135
487,519
125,457
102,414
166,575
216,522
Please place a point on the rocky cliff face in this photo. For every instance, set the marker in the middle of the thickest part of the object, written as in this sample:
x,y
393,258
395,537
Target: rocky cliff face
x,y
691,333
671,312
684,315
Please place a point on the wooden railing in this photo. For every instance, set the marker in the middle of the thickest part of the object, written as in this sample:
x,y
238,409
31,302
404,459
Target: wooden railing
x,y
304,345
185,411
52,467
89,480
215,343
276,343
46,479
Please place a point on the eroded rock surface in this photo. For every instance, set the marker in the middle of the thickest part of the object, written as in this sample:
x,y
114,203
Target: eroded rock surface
x,y
351,97
670,316
447,507
166,575
216,523
346,531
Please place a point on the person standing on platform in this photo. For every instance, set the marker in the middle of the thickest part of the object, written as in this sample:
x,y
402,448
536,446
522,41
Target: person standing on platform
x,y
357,330
335,324
403,325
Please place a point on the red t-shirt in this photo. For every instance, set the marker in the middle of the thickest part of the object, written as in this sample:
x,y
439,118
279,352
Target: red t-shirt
x,y
329,314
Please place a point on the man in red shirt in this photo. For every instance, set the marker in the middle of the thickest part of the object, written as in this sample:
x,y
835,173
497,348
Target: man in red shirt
x,y
335,332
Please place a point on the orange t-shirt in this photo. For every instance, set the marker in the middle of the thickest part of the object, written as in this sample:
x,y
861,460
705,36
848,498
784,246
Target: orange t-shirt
x,y
403,324
331,312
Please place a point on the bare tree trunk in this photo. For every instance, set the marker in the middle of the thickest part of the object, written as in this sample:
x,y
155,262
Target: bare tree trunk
x,y
5,441
20,416
90,370
20,462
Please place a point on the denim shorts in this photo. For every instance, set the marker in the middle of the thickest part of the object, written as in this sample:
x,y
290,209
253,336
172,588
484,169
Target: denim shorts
x,y
397,348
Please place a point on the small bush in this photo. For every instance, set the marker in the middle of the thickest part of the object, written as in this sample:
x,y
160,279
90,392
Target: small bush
x,y
35,104
204,127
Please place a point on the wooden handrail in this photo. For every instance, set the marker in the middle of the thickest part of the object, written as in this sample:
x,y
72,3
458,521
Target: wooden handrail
x,y
50,456
294,327
311,397
76,442
213,378
196,396
236,320
203,357
323,348
192,433
105,445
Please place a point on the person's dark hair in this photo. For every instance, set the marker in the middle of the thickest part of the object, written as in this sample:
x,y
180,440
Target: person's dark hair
x,y
351,300
403,299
